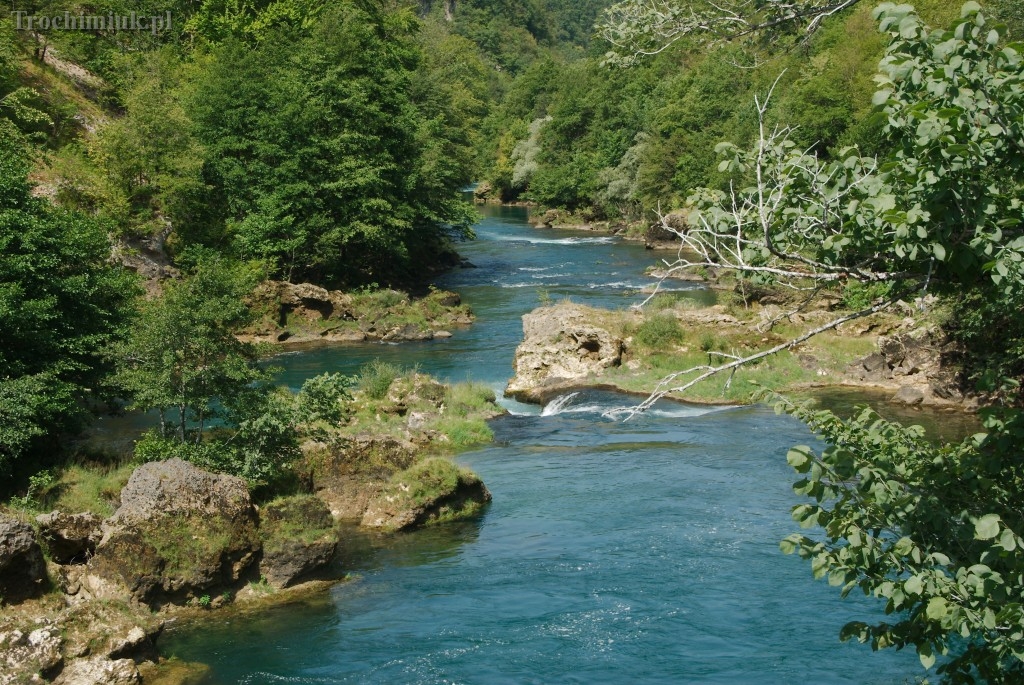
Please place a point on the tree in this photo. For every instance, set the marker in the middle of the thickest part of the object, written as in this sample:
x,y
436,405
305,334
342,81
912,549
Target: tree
x,y
182,355
61,302
641,28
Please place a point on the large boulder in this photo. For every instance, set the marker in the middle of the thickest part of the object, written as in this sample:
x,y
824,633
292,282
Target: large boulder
x,y
179,533
298,539
70,537
432,491
562,345
22,566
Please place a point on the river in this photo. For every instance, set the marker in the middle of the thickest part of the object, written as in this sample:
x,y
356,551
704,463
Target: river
x,y
639,552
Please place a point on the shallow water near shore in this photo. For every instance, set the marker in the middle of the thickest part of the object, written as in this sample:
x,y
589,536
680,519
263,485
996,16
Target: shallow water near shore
x,y
615,552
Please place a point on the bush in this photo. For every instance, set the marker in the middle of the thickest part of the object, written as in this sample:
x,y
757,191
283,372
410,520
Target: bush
x,y
375,378
659,331
323,398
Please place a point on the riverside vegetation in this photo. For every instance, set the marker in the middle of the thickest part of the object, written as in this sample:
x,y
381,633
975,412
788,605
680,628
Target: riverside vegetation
x,y
328,143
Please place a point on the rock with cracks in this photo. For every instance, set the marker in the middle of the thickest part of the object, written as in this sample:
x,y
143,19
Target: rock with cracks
x,y
100,671
299,539
431,491
562,345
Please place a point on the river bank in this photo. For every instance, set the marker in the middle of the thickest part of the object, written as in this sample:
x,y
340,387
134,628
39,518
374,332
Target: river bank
x,y
124,550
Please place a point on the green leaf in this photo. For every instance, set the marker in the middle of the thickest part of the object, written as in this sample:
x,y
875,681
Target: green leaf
x,y
925,654
938,608
799,458
987,527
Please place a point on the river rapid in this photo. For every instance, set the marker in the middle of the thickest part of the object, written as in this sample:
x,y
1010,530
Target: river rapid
x,y
638,552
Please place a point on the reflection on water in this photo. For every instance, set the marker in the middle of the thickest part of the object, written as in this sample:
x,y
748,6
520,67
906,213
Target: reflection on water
x,y
945,425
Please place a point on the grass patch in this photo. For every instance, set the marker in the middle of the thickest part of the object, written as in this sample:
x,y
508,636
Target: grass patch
x,y
187,545
468,398
464,432
82,487
302,518
375,378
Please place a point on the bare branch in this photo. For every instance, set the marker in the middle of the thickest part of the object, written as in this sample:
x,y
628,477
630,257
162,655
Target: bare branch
x,y
667,387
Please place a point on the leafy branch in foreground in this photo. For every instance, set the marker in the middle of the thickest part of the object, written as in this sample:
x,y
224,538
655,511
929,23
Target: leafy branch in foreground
x,y
944,207
933,531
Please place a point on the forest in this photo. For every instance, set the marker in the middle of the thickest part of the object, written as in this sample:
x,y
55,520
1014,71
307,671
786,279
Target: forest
x,y
332,143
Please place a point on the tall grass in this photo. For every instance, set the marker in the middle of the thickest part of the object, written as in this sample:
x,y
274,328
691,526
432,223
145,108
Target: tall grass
x,y
375,378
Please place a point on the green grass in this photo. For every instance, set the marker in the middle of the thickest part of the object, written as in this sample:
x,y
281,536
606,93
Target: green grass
x,y
375,378
463,432
303,518
82,487
468,398
184,544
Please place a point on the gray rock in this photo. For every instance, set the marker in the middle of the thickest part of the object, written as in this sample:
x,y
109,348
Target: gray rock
x,y
100,671
179,532
22,566
70,537
561,345
909,395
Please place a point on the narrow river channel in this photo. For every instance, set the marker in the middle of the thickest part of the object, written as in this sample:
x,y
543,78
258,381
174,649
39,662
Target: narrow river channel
x,y
639,552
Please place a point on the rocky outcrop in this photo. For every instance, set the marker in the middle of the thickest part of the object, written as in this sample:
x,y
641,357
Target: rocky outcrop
x,y
351,472
22,567
23,655
298,539
69,538
179,532
562,345
302,313
92,643
915,364
432,491
100,671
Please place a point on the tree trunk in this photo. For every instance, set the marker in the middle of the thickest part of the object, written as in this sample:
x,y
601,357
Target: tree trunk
x,y
449,10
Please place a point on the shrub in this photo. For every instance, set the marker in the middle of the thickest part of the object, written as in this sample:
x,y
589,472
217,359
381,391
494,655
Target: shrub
x,y
658,331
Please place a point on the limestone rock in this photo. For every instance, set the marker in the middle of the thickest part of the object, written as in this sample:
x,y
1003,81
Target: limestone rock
x,y
299,538
561,345
22,567
22,656
100,671
180,531
433,490
70,537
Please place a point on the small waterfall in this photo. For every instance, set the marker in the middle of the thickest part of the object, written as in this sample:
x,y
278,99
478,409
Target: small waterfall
x,y
558,405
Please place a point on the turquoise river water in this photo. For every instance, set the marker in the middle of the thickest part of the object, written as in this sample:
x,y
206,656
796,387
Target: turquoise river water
x,y
638,552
